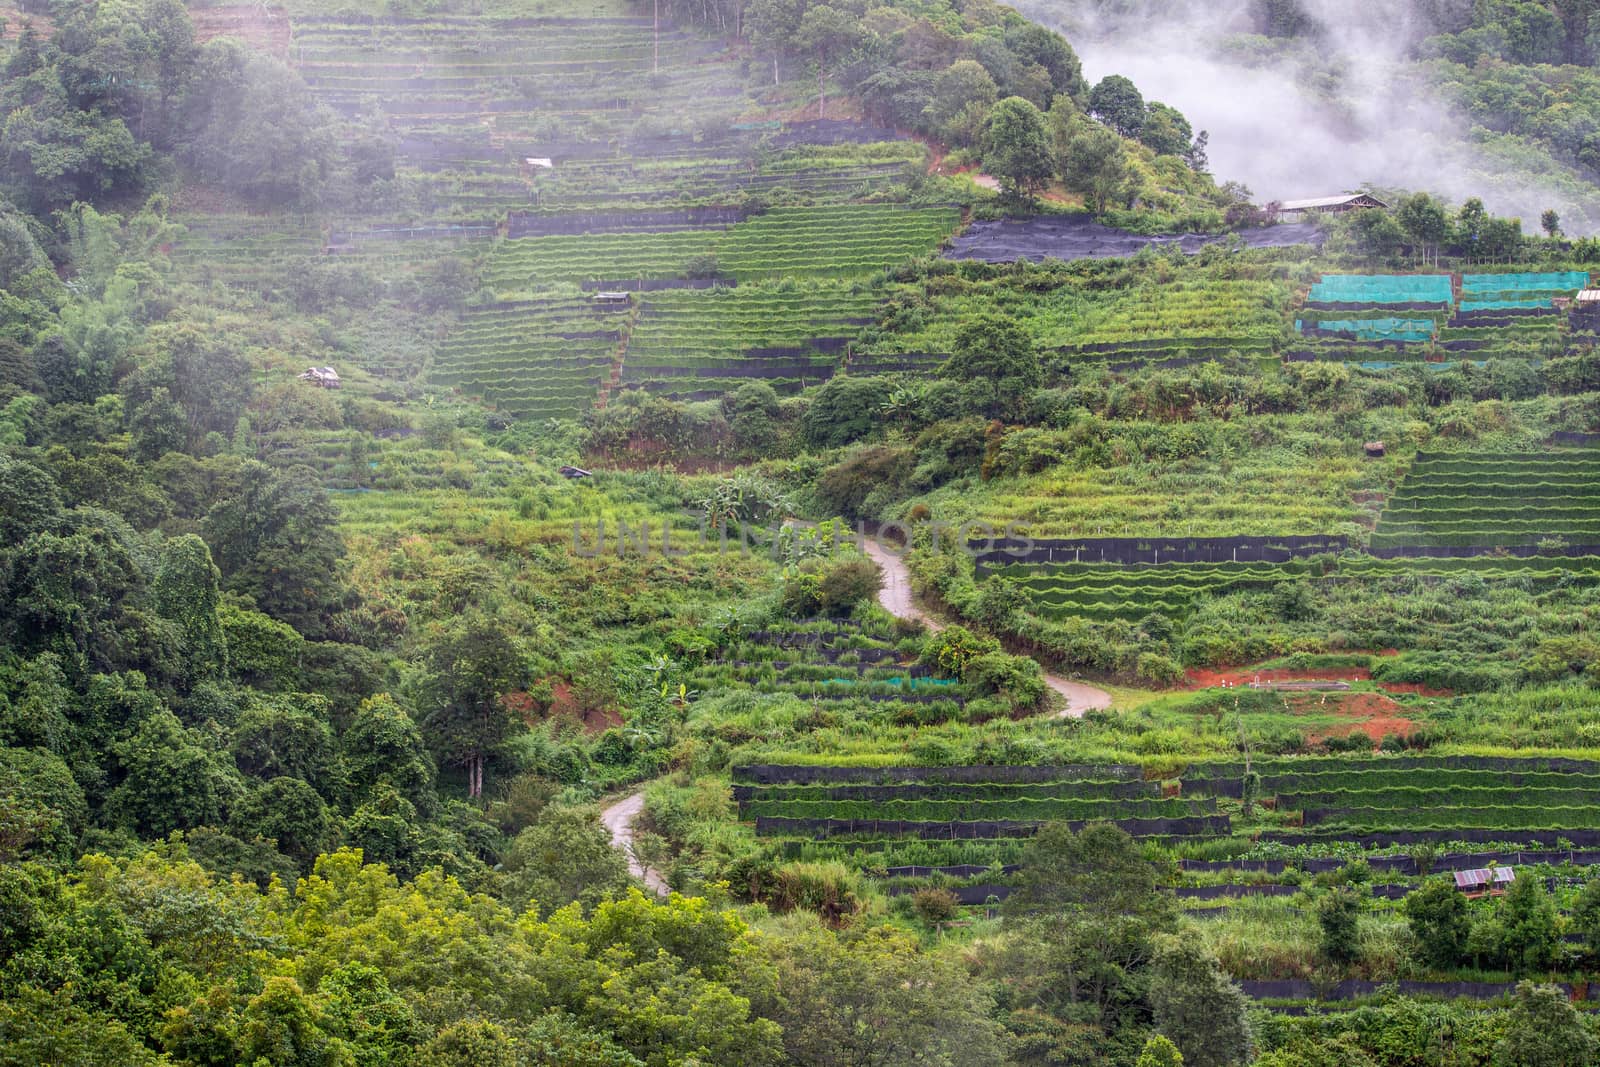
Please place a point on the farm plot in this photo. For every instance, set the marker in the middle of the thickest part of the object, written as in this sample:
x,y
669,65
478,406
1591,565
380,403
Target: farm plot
x,y
1109,591
596,74
1080,237
834,242
535,359
786,334
1199,317
245,251
1287,494
1104,591
912,824
1469,501
832,663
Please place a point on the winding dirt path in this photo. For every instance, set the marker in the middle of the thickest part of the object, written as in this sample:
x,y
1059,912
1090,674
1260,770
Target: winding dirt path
x,y
895,596
619,818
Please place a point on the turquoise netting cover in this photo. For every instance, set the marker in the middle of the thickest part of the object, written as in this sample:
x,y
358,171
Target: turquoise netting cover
x,y
1502,286
1383,289
1513,304
1409,331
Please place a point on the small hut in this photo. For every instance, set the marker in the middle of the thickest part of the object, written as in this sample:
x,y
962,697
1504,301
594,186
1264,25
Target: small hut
x,y
575,473
322,378
1374,449
1485,881
1328,205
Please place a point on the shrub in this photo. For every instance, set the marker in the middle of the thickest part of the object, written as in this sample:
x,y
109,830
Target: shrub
x,y
952,651
934,905
846,584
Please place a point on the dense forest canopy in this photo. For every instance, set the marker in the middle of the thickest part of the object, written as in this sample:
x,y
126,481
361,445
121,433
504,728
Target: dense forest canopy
x,y
437,623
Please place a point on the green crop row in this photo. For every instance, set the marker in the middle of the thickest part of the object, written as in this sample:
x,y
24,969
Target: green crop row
x,y
1023,810
1066,790
1496,817
1420,798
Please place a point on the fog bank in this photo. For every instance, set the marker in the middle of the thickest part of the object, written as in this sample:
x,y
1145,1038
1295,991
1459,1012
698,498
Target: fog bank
x,y
1309,119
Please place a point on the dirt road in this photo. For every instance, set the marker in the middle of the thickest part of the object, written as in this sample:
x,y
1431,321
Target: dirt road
x,y
895,596
619,818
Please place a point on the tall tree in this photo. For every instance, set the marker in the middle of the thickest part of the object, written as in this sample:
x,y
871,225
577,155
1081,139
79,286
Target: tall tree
x,y
1016,147
1117,102
471,668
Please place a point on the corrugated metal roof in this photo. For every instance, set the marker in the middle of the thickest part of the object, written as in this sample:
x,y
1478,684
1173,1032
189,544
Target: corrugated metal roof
x,y
1321,201
1589,295
1483,876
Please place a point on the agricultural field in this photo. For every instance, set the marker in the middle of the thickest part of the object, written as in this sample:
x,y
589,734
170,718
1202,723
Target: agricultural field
x,y
1202,315
1383,321
1483,501
840,242
787,334
535,359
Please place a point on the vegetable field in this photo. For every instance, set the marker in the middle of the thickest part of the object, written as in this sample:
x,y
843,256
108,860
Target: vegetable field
x,y
1475,500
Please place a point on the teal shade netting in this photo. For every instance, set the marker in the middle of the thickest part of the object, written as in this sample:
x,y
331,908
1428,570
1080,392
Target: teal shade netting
x,y
1383,289
1481,287
1407,331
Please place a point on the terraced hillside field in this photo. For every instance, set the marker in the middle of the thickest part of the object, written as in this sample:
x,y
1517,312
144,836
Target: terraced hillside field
x,y
691,341
1195,318
1381,321
1467,501
837,242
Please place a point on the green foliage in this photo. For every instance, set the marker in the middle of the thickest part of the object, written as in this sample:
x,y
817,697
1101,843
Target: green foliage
x,y
1339,917
1544,1030
1198,1007
564,856
1016,146
1439,918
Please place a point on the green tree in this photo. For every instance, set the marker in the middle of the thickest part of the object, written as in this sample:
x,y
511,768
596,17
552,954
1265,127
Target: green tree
x,y
1116,102
171,779
1531,927
1089,907
254,127
998,351
1339,918
845,410
284,1027
286,735
187,593
382,745
1016,146
964,91
1166,132
829,35
1544,1030
1586,914
1159,1052
1425,222
1441,922
471,668
566,855
275,538
1198,1006
288,812
470,1043
1550,223
871,997
1092,159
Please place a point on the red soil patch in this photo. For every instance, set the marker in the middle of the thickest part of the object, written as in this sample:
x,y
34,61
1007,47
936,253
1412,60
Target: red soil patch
x,y
562,706
1373,714
1206,679
1415,688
